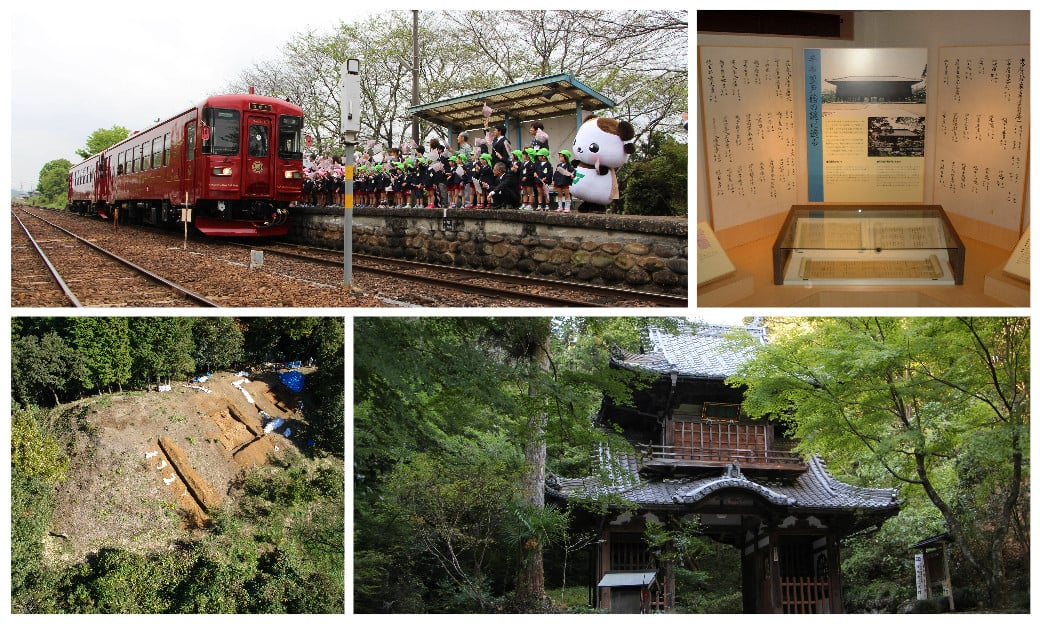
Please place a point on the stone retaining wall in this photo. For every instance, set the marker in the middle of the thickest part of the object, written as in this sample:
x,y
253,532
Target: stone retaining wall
x,y
638,252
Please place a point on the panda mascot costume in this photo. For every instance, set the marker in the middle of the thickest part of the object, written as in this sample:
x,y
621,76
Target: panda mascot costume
x,y
601,145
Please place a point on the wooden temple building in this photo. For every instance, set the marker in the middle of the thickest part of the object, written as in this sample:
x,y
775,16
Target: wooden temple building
x,y
874,88
690,452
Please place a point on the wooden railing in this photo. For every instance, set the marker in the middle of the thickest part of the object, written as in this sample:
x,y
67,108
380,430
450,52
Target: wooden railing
x,y
661,455
805,594
722,443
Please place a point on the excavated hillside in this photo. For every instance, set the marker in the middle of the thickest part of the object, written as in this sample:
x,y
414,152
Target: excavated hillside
x,y
146,468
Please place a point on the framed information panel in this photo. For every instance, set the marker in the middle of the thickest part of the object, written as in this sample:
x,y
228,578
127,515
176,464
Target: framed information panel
x,y
865,124
748,121
866,245
982,133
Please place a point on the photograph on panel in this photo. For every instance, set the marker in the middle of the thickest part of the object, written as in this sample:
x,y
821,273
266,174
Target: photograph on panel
x,y
676,465
177,465
355,158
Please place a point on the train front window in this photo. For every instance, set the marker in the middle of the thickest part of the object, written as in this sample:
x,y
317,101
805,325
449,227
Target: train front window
x,y
258,141
221,135
290,137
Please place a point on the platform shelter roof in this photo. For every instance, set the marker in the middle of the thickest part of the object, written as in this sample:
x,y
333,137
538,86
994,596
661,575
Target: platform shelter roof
x,y
541,98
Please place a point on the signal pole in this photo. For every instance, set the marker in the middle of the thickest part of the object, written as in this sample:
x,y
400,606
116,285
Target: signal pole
x,y
350,125
415,74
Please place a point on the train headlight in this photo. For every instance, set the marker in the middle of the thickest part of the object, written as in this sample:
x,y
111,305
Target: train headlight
x,y
221,171
293,175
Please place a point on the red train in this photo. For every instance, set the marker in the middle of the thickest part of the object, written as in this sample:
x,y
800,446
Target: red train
x,y
235,160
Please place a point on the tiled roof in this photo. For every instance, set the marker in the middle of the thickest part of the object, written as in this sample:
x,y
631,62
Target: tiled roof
x,y
815,489
704,352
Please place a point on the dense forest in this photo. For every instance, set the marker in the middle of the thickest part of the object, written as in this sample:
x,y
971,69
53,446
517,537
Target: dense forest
x,y
458,421
276,542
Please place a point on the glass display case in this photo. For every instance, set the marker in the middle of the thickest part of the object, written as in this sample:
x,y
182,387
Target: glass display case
x,y
854,245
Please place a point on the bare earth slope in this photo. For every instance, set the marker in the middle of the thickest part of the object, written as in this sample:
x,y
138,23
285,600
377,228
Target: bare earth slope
x,y
127,490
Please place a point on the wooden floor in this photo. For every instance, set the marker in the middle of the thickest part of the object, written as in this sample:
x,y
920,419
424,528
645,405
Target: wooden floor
x,y
752,285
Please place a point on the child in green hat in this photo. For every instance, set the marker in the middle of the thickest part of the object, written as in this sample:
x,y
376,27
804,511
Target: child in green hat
x,y
543,173
562,178
527,179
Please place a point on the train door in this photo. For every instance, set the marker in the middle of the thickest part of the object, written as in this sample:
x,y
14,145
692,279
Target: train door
x,y
187,165
258,168
101,187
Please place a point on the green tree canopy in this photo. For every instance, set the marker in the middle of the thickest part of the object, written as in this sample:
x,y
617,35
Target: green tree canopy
x,y
497,400
101,139
937,406
105,345
43,365
161,347
218,343
54,183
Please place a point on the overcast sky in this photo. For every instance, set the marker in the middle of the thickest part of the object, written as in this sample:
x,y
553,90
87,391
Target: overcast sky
x,y
77,67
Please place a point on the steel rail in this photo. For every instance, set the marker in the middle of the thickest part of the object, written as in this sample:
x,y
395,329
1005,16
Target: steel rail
x,y
655,298
50,266
659,298
186,293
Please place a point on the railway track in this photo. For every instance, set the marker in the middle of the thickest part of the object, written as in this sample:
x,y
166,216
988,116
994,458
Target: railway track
x,y
305,276
546,291
482,283
85,273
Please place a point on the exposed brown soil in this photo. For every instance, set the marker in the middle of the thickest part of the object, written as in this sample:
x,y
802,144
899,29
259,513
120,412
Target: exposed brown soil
x,y
125,489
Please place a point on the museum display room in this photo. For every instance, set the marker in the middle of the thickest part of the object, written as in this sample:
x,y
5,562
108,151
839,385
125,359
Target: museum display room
x,y
885,164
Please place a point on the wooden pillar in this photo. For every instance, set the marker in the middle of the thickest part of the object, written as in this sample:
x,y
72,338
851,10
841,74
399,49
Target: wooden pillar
x,y
749,574
834,572
604,565
774,602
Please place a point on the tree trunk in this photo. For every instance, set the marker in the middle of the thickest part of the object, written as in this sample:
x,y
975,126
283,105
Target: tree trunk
x,y
530,584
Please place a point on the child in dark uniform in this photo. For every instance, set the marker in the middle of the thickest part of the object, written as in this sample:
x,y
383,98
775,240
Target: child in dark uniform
x,y
544,174
562,178
485,178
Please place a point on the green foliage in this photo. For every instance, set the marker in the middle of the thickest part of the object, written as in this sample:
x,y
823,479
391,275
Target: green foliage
x,y
32,507
327,416
658,183
105,345
54,183
936,406
444,411
457,503
160,347
218,343
288,561
43,368
101,139
35,453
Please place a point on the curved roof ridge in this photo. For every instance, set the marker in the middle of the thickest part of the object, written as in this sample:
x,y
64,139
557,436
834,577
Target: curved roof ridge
x,y
702,491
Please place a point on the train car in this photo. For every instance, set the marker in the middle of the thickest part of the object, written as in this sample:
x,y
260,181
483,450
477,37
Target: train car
x,y
236,161
85,185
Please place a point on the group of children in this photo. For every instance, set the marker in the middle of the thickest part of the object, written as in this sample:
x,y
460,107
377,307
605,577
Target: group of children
x,y
463,179
322,181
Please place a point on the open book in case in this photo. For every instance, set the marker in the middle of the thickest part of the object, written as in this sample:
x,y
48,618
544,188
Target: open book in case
x,y
868,244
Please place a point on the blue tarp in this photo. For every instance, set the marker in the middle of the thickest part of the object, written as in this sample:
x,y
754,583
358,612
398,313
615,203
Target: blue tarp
x,y
293,380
